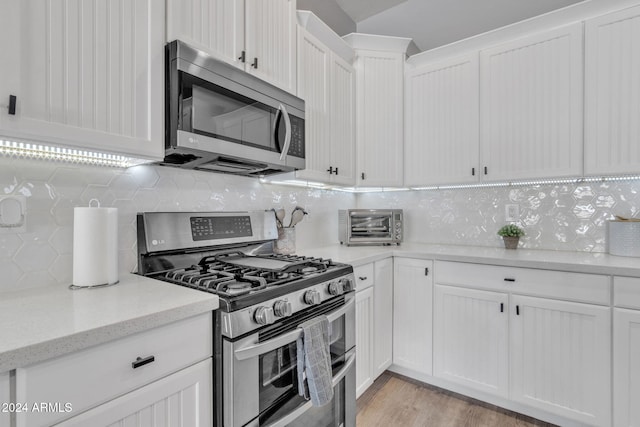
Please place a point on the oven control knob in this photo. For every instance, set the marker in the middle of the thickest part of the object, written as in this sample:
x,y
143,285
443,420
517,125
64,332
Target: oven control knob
x,y
264,315
336,288
282,308
312,297
347,285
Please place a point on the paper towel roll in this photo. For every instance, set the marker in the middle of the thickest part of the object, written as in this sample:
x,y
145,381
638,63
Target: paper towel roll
x,y
95,246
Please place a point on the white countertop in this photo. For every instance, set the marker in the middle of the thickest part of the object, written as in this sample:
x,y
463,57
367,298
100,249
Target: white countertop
x,y
581,262
42,323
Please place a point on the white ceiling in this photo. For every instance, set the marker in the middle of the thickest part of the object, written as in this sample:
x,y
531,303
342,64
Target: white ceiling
x,y
433,23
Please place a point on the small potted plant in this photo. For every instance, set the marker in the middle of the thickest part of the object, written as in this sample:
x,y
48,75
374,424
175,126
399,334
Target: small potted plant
x,y
511,234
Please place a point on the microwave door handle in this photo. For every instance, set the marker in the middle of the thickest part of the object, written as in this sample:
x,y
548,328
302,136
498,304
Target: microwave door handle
x,y
291,416
287,128
254,350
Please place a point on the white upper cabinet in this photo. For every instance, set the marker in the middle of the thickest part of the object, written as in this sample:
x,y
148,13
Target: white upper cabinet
x,y
86,74
379,69
531,106
442,136
612,93
327,84
254,35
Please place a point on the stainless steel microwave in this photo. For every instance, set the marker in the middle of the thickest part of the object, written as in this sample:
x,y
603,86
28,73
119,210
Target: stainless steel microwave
x,y
370,227
222,119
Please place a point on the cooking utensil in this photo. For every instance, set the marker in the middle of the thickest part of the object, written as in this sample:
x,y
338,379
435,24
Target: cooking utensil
x,y
280,213
297,215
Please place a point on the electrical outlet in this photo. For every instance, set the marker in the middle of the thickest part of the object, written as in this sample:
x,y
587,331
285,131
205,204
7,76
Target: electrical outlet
x,y
511,212
13,214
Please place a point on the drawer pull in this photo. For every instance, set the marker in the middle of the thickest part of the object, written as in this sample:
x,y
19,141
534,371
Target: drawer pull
x,y
517,310
509,279
141,362
362,277
501,307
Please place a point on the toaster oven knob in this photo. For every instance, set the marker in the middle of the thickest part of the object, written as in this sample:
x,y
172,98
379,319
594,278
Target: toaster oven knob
x,y
347,285
264,315
336,288
282,308
312,297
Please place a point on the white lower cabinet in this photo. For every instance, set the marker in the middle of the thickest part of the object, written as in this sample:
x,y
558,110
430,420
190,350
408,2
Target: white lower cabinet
x,y
561,358
383,318
364,340
181,399
626,367
374,321
150,370
412,315
5,399
470,333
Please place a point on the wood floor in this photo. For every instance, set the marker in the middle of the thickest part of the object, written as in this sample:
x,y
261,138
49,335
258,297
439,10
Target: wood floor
x,y
394,400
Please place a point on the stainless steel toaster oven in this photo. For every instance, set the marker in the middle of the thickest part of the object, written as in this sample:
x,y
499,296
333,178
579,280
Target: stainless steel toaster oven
x,y
370,227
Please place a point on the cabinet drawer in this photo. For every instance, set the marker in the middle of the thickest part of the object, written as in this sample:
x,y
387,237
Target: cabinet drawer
x,y
589,288
364,276
90,377
626,292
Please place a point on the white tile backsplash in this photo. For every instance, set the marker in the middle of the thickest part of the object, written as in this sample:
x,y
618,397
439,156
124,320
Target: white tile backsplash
x,y
557,217
568,217
43,255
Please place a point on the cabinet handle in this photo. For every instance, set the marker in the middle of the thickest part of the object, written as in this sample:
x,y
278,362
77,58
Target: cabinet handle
x,y
362,176
517,310
330,170
426,271
473,171
243,57
12,105
141,362
501,307
336,171
255,63
362,277
486,170
509,279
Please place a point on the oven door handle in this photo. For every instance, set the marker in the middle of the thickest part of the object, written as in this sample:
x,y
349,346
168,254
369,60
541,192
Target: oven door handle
x,y
304,408
254,350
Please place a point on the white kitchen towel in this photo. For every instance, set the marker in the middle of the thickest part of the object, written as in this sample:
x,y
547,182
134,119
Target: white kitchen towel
x,y
315,380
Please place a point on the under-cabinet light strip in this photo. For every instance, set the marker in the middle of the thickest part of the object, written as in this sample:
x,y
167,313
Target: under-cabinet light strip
x,y
578,180
14,149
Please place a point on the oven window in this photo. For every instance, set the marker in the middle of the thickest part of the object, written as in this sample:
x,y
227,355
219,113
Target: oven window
x,y
371,226
279,374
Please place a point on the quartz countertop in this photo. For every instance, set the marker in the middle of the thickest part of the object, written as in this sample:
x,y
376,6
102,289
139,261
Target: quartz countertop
x,y
41,323
581,262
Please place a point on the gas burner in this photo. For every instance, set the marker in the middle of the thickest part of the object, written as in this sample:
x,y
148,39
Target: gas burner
x,y
307,270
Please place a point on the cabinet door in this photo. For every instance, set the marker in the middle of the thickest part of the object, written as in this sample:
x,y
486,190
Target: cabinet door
x,y
379,117
86,74
470,338
215,26
531,106
5,397
364,340
313,87
342,111
612,93
561,358
442,141
412,320
271,39
383,319
626,367
183,398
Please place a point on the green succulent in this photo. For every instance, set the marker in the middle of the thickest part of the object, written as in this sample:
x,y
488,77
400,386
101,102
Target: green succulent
x,y
511,230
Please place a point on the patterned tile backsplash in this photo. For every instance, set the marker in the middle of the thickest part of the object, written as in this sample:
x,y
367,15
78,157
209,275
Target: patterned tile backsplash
x,y
567,217
43,255
560,217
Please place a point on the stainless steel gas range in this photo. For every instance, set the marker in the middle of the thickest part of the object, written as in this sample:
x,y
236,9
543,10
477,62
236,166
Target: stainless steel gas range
x,y
264,297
